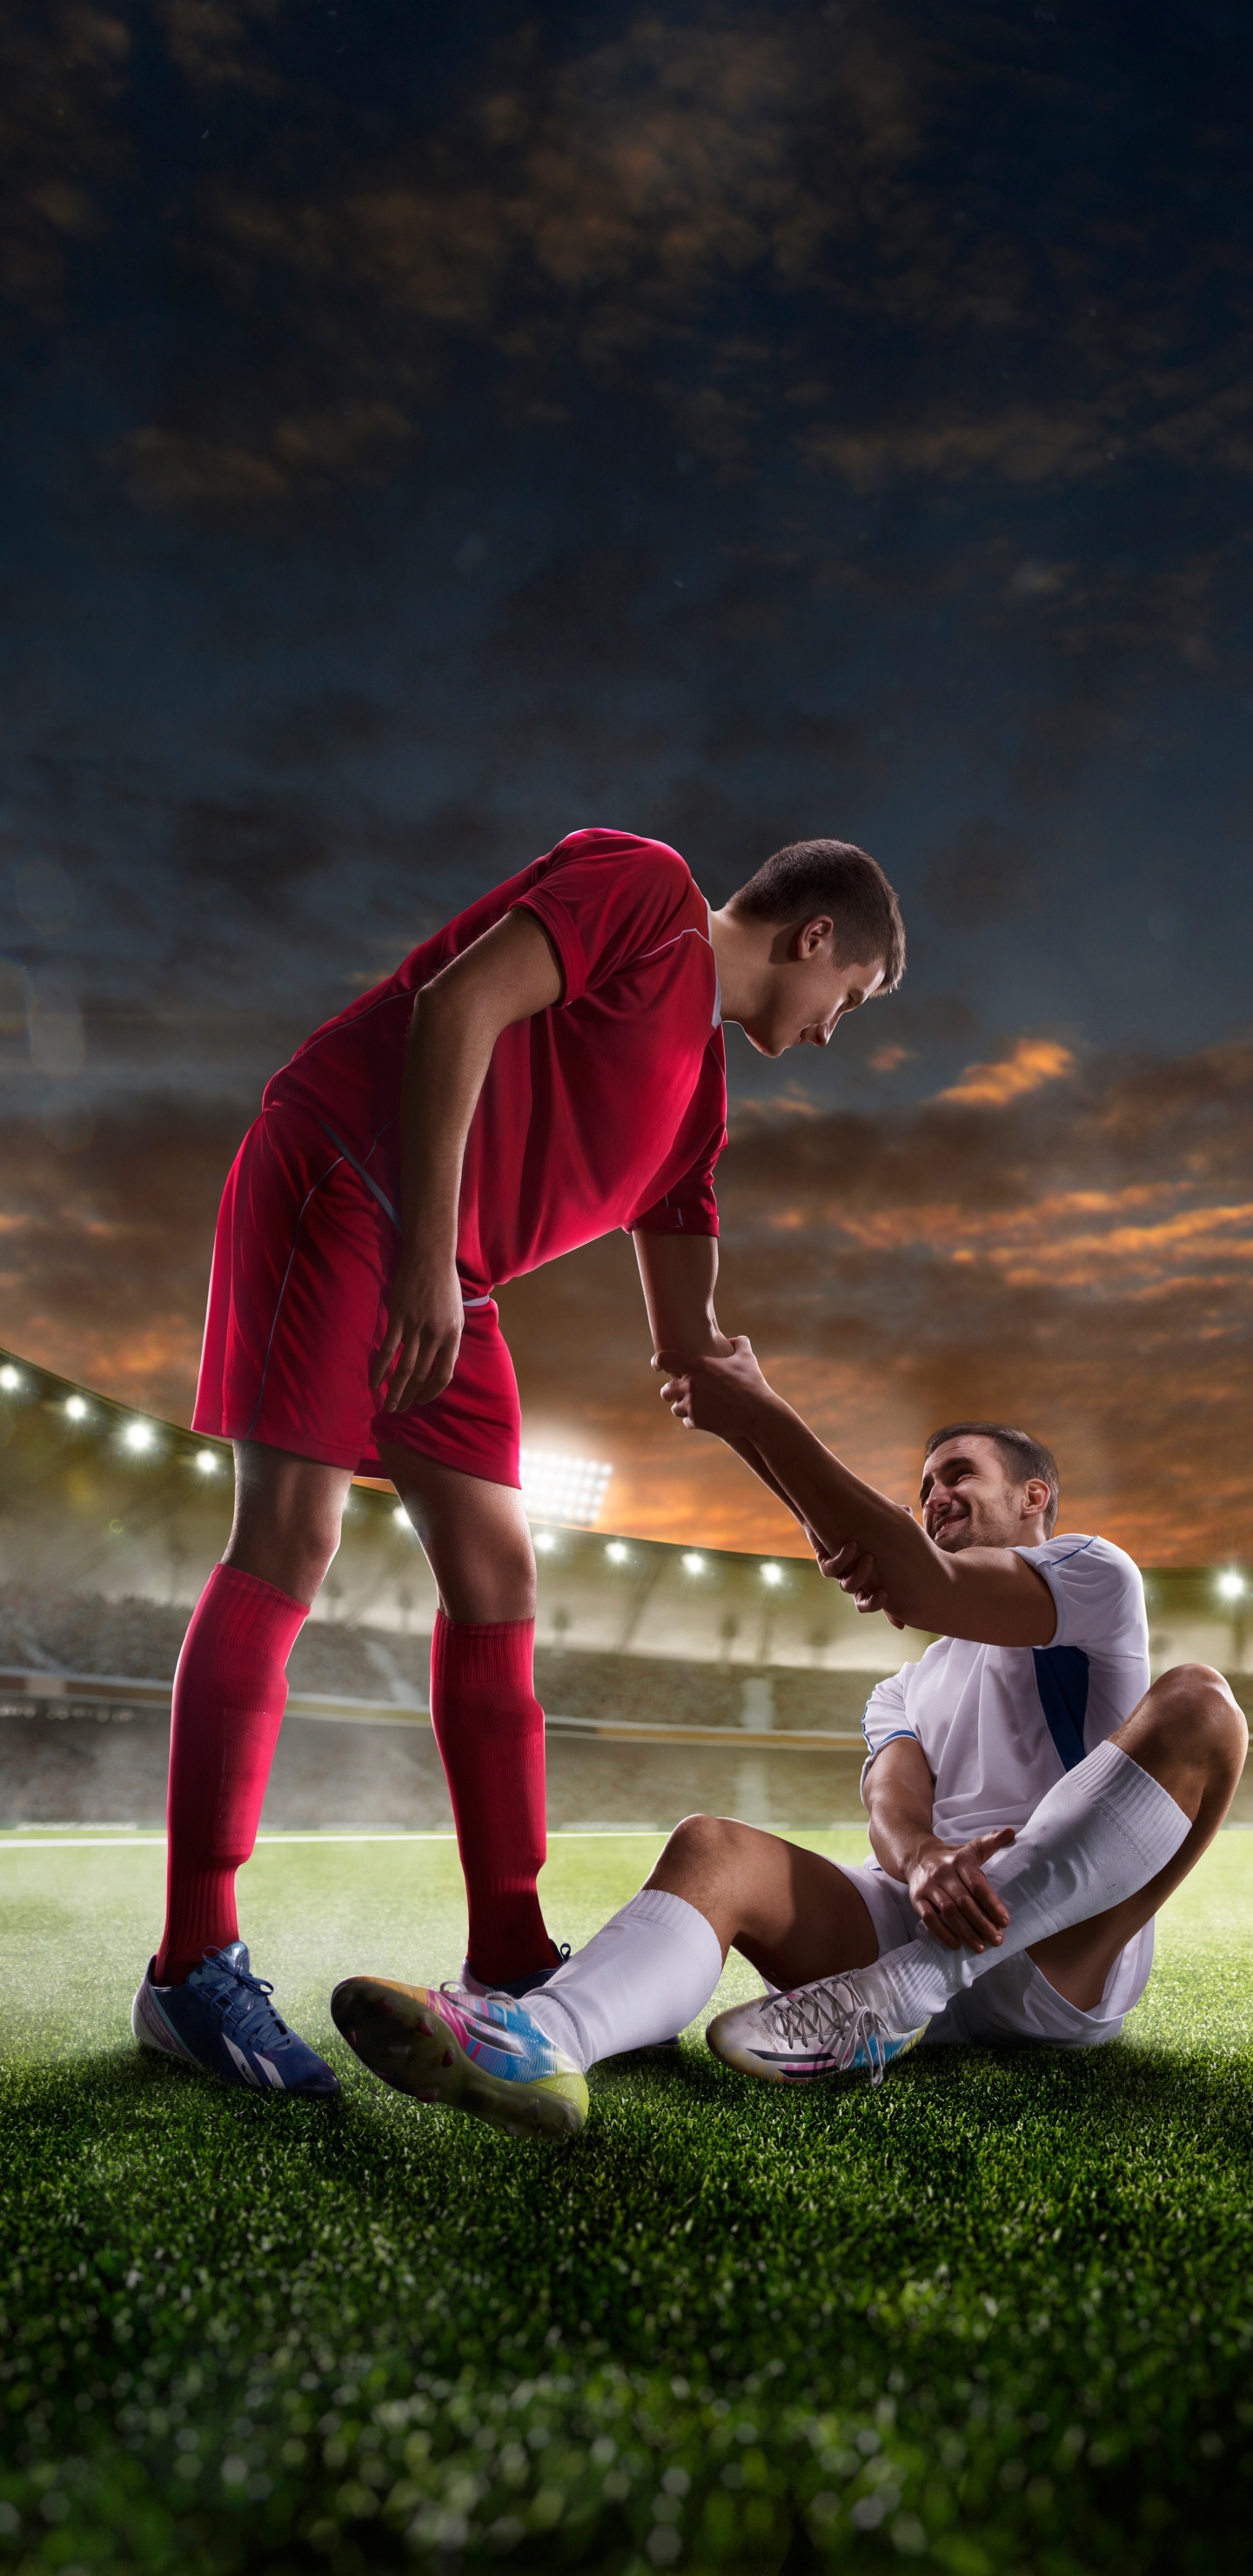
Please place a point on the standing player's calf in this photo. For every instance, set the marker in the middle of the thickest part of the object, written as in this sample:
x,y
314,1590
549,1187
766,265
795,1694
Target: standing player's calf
x,y
549,1067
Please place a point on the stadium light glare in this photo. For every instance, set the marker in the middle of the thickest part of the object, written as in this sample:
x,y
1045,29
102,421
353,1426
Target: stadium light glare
x,y
544,1542
10,1379
693,1563
617,1553
1231,1586
402,1520
772,1574
559,1488
138,1436
75,1408
207,1462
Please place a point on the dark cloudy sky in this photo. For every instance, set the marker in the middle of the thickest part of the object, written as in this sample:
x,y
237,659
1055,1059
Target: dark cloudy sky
x,y
430,430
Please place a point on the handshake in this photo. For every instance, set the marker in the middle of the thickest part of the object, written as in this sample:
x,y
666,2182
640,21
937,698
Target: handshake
x,y
730,1397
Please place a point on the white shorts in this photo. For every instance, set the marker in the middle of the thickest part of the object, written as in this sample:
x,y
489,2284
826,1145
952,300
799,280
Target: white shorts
x,y
1014,2001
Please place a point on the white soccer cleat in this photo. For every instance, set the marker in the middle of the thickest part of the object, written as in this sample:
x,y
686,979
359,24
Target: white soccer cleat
x,y
840,2026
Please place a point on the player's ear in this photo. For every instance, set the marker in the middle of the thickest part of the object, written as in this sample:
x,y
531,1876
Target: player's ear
x,y
810,936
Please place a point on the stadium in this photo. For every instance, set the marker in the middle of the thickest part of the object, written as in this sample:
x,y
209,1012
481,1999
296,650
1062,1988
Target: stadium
x,y
626,1084
990,2317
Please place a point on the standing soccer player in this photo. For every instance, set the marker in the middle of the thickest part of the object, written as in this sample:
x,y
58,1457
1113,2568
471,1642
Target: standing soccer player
x,y
548,1067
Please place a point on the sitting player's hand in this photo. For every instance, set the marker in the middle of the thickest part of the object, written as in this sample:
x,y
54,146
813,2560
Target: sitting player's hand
x,y
951,1896
425,1318
722,1395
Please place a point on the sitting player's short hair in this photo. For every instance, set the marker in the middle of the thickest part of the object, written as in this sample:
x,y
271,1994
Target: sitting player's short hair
x,y
810,877
1022,1457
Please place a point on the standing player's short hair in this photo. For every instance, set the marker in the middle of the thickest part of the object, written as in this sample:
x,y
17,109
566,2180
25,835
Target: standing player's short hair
x,y
1021,1456
810,877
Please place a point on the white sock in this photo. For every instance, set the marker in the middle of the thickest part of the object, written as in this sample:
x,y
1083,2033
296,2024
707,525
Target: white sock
x,y
641,1979
1099,1834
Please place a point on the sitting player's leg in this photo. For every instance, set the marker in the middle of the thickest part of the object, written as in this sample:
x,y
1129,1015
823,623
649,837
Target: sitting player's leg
x,y
1189,1735
645,1975
1102,1850
488,1723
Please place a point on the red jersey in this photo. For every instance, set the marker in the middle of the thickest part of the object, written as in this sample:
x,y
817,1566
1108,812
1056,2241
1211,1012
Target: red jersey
x,y
609,1109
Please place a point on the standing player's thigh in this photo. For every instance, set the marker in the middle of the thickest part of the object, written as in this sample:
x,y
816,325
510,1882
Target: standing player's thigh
x,y
297,1300
805,1917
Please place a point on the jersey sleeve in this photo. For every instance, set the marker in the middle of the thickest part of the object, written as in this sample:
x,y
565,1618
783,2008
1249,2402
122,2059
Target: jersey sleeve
x,y
1097,1594
885,1717
689,1206
604,898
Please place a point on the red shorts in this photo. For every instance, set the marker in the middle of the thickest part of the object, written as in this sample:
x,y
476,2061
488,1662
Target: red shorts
x,y
302,1266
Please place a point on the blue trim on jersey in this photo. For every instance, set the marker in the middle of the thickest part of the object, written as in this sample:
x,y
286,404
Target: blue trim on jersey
x,y
1061,1675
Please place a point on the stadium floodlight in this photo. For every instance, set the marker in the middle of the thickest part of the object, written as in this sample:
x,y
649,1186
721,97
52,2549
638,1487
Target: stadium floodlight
x,y
402,1520
558,1488
544,1542
693,1563
10,1379
207,1462
772,1574
1231,1586
617,1553
138,1436
75,1408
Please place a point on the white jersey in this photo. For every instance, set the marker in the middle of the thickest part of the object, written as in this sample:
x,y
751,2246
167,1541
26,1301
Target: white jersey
x,y
1000,1724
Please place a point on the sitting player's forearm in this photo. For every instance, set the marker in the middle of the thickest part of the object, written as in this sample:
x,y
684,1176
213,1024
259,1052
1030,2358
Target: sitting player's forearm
x,y
837,1507
899,1797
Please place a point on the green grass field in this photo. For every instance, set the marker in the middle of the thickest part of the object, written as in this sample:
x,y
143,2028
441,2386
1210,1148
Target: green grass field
x,y
993,2319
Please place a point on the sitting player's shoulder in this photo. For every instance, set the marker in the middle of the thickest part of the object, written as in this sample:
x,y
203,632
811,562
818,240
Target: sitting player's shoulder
x,y
1078,1557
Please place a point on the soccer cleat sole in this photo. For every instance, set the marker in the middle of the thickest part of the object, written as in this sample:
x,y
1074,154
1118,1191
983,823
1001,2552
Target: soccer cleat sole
x,y
397,2032
734,2052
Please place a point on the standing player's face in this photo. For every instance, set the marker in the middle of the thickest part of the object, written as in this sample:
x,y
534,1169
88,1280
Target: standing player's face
x,y
809,995
967,1499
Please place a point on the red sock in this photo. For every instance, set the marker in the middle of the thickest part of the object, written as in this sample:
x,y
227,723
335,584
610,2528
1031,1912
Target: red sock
x,y
230,1692
489,1727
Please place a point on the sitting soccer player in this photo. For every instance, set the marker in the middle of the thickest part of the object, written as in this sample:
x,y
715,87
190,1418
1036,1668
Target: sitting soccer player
x,y
1032,1803
545,1068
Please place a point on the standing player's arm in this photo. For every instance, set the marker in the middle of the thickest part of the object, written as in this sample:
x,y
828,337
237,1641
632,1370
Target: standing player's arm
x,y
947,1888
989,1594
509,974
678,1273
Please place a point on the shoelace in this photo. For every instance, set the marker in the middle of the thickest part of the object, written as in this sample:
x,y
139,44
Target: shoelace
x,y
473,2008
248,2017
820,2015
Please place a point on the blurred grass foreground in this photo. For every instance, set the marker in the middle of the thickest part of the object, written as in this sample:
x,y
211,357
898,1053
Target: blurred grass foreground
x,y
995,2317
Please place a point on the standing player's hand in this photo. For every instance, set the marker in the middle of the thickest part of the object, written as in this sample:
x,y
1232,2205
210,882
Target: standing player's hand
x,y
425,1318
857,1573
951,1896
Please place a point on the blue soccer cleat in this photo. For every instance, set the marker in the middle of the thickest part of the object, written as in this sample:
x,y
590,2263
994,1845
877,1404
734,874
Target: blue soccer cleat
x,y
481,2054
223,2021
839,2026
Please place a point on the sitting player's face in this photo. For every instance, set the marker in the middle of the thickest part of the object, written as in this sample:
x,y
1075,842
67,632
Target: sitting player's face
x,y
967,1499
808,995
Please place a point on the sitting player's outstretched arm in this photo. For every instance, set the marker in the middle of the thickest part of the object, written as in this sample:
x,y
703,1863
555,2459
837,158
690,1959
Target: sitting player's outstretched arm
x,y
989,1594
509,974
